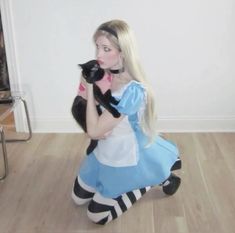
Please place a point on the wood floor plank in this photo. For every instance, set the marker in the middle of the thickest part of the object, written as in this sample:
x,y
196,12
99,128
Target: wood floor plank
x,y
219,179
35,197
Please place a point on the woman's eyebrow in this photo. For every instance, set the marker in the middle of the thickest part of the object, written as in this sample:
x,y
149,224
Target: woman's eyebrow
x,y
103,45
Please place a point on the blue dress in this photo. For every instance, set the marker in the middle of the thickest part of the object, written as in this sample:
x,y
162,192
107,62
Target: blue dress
x,y
123,161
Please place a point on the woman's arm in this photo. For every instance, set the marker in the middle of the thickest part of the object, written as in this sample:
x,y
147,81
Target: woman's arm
x,y
98,126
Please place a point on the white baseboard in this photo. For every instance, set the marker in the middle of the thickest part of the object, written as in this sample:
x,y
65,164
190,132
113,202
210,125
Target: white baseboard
x,y
165,124
193,124
55,125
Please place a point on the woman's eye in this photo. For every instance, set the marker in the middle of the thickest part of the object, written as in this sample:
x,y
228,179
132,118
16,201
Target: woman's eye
x,y
106,49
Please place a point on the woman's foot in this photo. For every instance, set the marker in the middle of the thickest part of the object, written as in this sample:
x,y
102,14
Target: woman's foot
x,y
171,185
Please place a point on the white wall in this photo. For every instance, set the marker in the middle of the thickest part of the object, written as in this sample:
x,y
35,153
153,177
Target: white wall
x,y
187,49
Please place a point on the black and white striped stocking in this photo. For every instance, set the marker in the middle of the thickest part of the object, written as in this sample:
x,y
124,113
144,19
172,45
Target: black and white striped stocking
x,y
102,210
82,193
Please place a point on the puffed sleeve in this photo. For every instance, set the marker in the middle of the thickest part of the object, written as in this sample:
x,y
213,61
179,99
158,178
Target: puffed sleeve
x,y
132,99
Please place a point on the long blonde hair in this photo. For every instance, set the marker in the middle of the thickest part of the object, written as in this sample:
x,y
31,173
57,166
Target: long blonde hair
x,y
122,37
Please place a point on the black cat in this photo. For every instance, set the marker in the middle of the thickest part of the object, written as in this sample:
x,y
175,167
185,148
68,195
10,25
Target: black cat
x,y
92,72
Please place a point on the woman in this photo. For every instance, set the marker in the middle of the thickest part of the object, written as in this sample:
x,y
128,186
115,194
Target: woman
x,y
129,157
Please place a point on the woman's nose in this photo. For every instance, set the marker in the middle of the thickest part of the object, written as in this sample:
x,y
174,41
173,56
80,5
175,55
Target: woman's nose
x,y
98,53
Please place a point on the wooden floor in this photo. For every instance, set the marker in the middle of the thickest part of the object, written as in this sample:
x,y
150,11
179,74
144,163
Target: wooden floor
x,y
9,121
35,197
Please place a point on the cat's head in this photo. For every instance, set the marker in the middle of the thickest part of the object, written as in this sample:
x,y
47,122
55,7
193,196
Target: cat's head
x,y
92,70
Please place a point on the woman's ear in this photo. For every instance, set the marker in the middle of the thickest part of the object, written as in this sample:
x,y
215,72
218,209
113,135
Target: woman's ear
x,y
121,59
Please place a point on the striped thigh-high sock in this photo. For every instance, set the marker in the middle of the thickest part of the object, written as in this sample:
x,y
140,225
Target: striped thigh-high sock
x,y
82,193
102,210
177,165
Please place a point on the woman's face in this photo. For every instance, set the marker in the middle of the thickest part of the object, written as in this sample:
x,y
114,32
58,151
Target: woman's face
x,y
108,56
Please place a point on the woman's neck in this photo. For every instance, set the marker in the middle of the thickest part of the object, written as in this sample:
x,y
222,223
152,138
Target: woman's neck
x,y
120,80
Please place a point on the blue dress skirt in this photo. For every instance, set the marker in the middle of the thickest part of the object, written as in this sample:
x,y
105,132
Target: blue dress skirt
x,y
123,161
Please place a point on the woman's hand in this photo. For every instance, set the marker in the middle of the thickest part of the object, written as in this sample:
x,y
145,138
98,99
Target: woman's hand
x,y
88,85
104,136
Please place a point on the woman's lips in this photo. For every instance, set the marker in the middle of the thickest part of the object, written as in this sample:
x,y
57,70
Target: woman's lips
x,y
100,62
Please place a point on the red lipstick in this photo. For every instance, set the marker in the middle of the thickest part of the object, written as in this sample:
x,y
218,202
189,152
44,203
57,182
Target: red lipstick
x,y
100,62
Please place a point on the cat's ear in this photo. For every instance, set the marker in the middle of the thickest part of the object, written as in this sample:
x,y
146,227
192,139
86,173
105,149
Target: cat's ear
x,y
82,66
88,65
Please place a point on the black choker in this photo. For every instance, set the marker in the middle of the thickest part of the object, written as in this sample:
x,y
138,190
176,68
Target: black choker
x,y
117,71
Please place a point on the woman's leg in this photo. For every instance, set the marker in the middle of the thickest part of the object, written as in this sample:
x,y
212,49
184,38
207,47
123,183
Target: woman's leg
x,y
82,193
102,210
177,165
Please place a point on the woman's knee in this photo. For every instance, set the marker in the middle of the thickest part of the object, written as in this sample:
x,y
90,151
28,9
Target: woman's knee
x,y
81,192
99,213
102,210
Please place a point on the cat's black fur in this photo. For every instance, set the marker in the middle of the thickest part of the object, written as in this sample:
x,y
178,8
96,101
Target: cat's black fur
x,y
92,72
